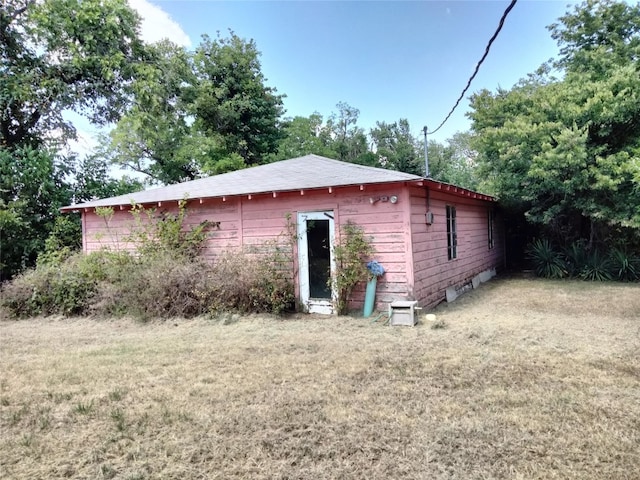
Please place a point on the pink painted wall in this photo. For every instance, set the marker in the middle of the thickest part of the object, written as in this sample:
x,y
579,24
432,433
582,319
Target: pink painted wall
x,y
413,254
434,272
251,222
100,233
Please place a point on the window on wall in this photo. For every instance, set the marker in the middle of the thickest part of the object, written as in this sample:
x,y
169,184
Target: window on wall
x,y
490,219
452,236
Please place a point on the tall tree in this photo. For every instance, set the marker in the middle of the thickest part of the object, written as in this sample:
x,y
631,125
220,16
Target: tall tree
x,y
455,161
198,113
305,135
566,152
63,54
32,188
396,148
350,143
232,102
156,136
92,180
55,55
597,31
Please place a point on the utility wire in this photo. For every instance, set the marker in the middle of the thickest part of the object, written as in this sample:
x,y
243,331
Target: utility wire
x,y
486,52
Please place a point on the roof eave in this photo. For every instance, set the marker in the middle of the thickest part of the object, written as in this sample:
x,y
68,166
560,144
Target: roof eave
x,y
362,185
456,190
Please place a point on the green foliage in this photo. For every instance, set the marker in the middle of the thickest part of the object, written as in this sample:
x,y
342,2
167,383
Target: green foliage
x,y
596,268
303,136
592,264
63,289
107,266
547,262
624,265
351,254
195,113
388,145
396,148
83,408
455,161
232,100
55,55
155,136
565,152
63,54
575,258
350,143
32,188
580,261
64,239
166,233
92,181
594,28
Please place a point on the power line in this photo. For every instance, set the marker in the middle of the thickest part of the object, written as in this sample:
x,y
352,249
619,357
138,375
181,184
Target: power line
x,y
486,52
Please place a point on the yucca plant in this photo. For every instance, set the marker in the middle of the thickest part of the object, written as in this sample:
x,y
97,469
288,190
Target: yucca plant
x,y
575,258
596,268
547,262
624,265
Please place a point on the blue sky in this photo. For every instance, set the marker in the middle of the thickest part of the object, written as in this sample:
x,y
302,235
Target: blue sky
x,y
389,59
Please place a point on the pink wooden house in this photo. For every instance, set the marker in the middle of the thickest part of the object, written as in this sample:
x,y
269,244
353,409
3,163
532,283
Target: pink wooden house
x,y
429,236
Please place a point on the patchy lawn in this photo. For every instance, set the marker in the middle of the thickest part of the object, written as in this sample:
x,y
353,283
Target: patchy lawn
x,y
528,379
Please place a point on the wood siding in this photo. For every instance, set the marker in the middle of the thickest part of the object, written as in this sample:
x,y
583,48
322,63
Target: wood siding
x,y
413,253
245,222
433,272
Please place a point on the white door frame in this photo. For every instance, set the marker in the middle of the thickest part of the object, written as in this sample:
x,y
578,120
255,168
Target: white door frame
x,y
314,305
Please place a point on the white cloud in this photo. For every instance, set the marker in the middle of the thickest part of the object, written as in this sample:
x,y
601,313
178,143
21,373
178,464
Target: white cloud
x,y
157,24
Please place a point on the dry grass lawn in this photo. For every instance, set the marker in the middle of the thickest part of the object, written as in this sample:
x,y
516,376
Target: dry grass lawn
x,y
529,379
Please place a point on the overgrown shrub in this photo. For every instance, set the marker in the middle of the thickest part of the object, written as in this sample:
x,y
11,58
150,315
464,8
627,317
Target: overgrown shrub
x,y
157,286
162,233
351,255
162,286
253,281
107,266
50,289
165,278
575,258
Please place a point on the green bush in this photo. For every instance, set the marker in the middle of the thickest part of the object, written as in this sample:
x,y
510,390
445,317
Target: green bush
x,y
624,266
575,258
578,261
50,289
547,262
596,268
351,255
159,234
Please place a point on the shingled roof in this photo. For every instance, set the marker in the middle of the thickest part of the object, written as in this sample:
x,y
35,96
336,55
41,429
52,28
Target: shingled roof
x,y
302,173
